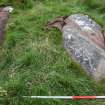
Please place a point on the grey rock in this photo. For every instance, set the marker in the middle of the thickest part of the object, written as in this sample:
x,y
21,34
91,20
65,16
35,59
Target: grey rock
x,y
85,42
4,15
7,9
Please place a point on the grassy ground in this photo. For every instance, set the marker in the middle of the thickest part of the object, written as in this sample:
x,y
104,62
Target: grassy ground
x,y
34,62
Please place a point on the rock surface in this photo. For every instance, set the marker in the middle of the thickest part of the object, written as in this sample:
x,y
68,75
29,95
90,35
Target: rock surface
x,y
4,14
84,40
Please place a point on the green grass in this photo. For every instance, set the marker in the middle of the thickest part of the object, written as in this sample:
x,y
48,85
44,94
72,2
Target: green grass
x,y
98,5
34,62
23,4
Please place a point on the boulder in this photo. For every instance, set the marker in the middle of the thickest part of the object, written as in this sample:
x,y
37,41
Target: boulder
x,y
84,40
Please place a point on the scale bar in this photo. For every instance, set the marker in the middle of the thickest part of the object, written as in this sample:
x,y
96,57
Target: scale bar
x,y
66,97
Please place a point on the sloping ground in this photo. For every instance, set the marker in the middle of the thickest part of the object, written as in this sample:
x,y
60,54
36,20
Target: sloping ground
x,y
34,62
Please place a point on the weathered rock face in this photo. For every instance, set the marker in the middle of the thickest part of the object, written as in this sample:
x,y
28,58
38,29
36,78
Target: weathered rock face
x,y
4,14
84,40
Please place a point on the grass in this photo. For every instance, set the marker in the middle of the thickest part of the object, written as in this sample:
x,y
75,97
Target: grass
x,y
34,62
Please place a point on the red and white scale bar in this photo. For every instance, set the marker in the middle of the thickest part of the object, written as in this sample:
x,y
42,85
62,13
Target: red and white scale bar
x,y
66,97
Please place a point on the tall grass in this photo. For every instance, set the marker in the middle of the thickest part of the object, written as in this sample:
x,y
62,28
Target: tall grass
x,y
94,4
34,62
23,4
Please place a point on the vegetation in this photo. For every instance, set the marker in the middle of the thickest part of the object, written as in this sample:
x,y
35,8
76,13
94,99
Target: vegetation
x,y
33,60
99,5
23,4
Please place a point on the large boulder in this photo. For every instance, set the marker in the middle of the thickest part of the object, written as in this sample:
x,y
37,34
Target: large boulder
x,y
84,40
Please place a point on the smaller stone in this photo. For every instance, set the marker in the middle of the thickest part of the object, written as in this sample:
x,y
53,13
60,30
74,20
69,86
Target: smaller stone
x,y
4,15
